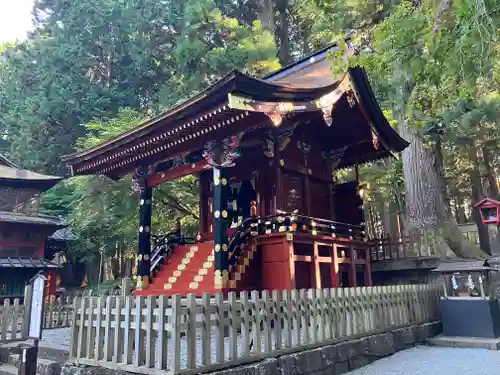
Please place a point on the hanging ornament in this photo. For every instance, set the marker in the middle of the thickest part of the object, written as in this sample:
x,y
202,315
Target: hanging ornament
x,y
470,283
454,283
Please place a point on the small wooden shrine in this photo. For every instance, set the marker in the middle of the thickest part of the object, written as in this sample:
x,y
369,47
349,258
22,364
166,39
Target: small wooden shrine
x,y
271,214
23,232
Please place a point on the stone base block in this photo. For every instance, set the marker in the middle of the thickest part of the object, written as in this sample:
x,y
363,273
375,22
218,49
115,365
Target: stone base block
x,y
465,342
334,359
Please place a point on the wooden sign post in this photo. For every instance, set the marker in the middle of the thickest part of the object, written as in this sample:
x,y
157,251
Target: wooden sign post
x,y
29,353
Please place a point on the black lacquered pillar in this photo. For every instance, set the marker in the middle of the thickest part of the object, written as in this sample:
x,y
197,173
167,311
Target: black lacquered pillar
x,y
221,224
144,247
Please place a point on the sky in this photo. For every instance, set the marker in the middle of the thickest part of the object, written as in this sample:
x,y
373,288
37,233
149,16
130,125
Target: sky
x,y
15,19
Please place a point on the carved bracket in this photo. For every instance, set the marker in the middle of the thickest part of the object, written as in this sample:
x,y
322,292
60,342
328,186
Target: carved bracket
x,y
335,156
140,177
222,156
304,147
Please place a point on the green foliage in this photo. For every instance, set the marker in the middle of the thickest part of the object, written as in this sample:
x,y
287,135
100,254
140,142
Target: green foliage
x,y
96,68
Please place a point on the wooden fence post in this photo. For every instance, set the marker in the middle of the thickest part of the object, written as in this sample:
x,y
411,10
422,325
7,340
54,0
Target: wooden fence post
x,y
276,318
27,308
109,337
140,347
161,361
128,338
206,332
255,328
219,327
175,341
233,328
191,331
118,340
256,334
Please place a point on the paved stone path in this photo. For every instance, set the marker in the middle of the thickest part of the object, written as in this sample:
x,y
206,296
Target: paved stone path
x,y
424,360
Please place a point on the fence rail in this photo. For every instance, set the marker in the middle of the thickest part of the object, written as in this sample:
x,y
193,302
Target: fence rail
x,y
418,245
192,335
14,317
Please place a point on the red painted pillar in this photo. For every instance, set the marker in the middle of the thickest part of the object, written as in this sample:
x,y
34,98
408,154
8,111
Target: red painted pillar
x,y
353,282
368,269
334,267
291,255
41,249
51,282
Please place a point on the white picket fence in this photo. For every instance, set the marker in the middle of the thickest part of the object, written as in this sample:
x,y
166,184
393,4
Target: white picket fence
x,y
14,317
144,334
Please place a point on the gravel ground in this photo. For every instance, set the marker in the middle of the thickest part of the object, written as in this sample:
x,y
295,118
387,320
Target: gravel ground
x,y
421,360
57,338
424,360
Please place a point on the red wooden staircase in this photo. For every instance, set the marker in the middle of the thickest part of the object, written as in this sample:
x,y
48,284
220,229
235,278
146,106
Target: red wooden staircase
x,y
189,269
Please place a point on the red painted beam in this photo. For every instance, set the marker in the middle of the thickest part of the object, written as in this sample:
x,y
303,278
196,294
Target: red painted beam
x,y
185,170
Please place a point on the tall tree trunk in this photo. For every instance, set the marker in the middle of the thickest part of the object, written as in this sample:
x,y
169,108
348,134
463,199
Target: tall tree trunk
x,y
490,174
426,198
477,194
282,32
266,14
493,193
462,218
393,219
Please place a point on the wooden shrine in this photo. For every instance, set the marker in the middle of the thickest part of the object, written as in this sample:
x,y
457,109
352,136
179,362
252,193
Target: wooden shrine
x,y
265,151
23,231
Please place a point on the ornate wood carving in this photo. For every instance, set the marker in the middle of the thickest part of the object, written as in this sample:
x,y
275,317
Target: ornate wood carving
x,y
140,177
222,155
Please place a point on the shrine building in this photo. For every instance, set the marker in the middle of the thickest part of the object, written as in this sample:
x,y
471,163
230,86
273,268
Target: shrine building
x,y
24,231
265,152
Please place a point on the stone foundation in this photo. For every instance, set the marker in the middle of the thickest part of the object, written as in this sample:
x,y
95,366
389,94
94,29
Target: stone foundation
x,y
330,359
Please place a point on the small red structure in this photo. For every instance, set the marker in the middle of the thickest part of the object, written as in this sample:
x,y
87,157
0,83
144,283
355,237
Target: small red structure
x,y
23,231
264,151
489,210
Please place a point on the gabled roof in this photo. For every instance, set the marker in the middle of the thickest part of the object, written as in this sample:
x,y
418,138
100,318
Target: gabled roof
x,y
20,218
215,96
314,69
14,176
235,103
488,201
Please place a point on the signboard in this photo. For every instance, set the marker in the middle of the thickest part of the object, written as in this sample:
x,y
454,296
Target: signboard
x,y
36,306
